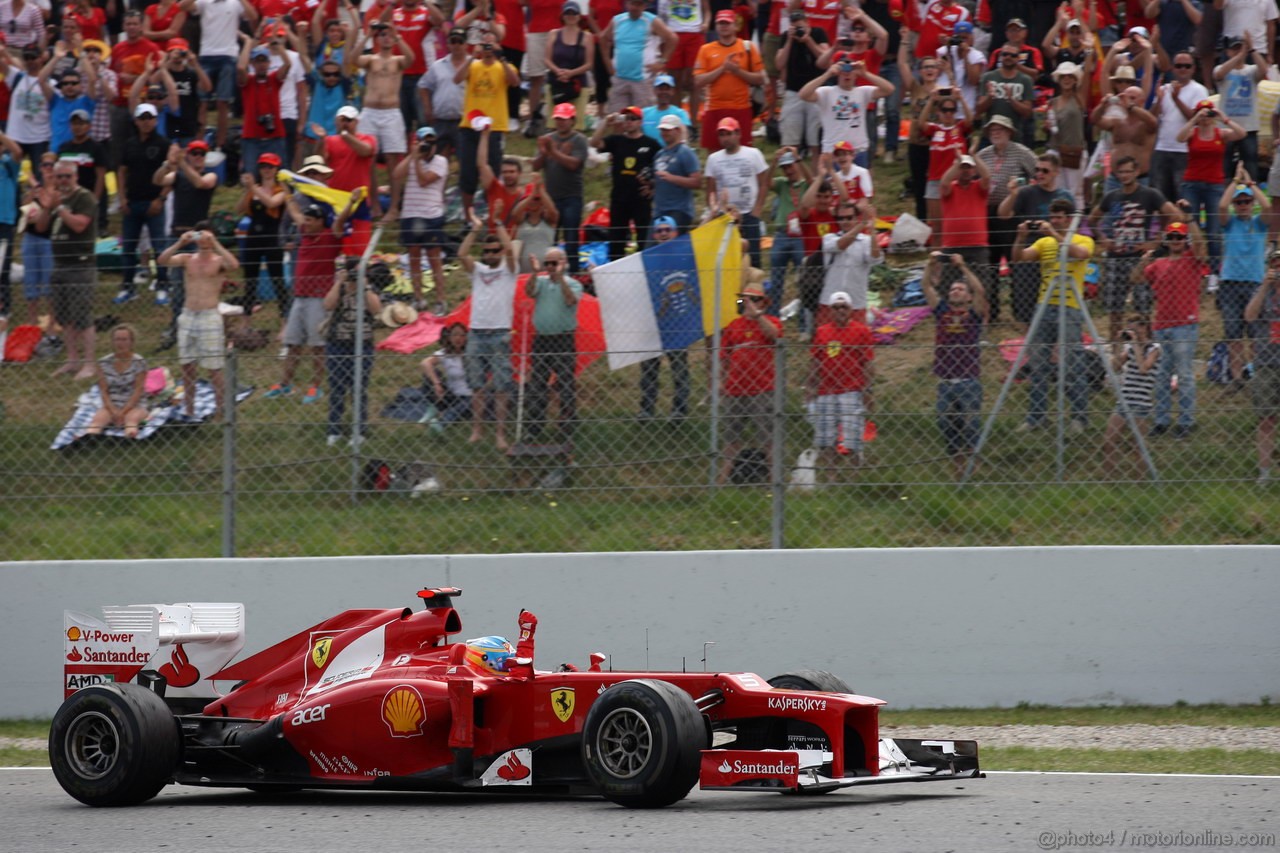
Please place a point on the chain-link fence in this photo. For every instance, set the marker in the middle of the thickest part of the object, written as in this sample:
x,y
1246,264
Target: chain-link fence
x,y
637,458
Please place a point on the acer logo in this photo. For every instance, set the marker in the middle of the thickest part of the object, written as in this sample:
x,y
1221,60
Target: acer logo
x,y
797,703
309,715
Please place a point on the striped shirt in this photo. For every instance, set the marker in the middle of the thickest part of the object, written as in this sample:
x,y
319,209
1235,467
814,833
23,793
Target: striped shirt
x,y
100,124
1138,388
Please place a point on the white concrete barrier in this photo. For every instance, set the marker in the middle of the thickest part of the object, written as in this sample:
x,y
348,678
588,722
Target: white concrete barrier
x,y
918,627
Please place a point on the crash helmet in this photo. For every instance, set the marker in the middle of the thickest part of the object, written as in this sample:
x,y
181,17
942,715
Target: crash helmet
x,y
490,654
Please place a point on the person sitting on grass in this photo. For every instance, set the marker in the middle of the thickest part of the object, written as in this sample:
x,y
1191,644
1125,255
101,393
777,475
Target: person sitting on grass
x,y
445,376
122,379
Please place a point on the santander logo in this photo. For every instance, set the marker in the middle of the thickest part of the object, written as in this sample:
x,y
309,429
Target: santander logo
x,y
725,767
179,671
514,770
75,656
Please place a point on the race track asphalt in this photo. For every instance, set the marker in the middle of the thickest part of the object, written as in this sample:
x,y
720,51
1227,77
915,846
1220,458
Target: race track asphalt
x,y
1024,812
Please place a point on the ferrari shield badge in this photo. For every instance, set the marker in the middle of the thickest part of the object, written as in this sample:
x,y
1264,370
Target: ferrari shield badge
x,y
320,651
562,703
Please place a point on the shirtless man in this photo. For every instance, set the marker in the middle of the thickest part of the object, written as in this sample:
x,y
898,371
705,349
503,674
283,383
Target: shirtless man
x,y
200,331
1133,131
381,116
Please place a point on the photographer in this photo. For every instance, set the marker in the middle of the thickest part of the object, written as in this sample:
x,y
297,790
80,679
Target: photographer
x,y
1135,357
959,319
260,87
800,122
192,185
842,107
1207,135
341,350
963,62
422,212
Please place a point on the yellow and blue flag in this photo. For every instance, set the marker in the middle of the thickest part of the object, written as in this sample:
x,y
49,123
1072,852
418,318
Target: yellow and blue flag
x,y
666,297
334,200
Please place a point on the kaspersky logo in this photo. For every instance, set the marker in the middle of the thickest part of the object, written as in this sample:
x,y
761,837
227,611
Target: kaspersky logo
x,y
402,711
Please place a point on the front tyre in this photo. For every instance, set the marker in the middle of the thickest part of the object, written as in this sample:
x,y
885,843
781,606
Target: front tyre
x,y
810,679
642,743
114,745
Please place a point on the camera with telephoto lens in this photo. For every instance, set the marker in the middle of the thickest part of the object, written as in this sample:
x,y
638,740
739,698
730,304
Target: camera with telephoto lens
x,y
425,147
268,122
955,41
798,32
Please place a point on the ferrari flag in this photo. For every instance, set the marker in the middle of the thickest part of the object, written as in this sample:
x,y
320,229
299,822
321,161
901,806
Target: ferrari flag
x,y
665,298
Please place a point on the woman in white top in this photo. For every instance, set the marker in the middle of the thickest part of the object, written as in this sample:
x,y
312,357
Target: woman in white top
x,y
423,174
536,219
446,376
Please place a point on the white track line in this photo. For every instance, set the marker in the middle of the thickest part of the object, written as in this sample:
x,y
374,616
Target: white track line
x,y
1144,775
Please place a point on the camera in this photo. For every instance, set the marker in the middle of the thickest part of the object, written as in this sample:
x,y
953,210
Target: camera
x,y
944,93
798,32
268,122
425,147
1126,335
955,41
1211,113
741,305
847,41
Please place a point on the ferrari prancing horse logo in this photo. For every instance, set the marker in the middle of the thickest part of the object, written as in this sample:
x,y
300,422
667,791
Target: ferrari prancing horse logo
x,y
320,651
562,703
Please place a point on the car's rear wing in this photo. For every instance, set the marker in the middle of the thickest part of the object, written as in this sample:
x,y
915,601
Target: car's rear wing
x,y
198,639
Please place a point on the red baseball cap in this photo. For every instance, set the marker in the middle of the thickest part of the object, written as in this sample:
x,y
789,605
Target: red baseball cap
x,y
728,123
564,111
1177,228
201,145
635,111
177,44
726,15
269,159
843,145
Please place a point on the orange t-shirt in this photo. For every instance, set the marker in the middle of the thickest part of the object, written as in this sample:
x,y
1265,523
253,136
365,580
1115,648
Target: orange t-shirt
x,y
728,92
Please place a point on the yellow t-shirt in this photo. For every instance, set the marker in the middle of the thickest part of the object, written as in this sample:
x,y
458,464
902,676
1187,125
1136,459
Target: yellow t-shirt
x,y
486,91
1048,248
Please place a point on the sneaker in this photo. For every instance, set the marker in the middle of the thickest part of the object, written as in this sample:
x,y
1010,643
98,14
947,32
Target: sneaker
x,y
162,297
356,441
1026,426
142,278
1264,476
1076,427
332,440
125,295
1211,283
1158,430
278,390
1183,430
313,395
888,157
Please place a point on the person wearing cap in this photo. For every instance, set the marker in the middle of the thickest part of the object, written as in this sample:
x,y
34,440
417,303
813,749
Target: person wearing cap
x,y
748,376
728,66
631,156
319,246
800,120
938,27
959,318
947,138
1238,80
1175,283
1174,103
263,128
1065,121
569,55
1030,60
128,61
842,107
493,285
623,46
665,230
1069,40
89,155
1123,221
1010,92
838,386
790,179
423,174
1011,165
1262,315
187,84
962,63
562,158
142,202
1244,247
689,21
351,155
187,176
737,180
664,88
328,90
1205,176
556,296
1062,305
677,174
1253,18
70,213
965,188
384,70
441,96
68,96
262,203
486,78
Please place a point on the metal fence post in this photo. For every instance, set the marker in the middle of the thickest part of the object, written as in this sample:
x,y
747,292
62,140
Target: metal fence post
x,y
777,469
358,377
229,389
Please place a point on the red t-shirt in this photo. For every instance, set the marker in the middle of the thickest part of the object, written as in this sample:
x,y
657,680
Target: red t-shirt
x,y
815,226
91,24
157,21
747,357
938,25
274,8
842,354
512,11
131,58
604,11
413,26
501,202
821,13
945,145
964,215
350,170
1205,157
316,254
260,98
1175,283
544,17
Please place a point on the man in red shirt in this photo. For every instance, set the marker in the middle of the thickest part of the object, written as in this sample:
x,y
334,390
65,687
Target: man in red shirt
x,y
939,24
263,129
352,156
965,189
838,387
747,363
1175,284
129,62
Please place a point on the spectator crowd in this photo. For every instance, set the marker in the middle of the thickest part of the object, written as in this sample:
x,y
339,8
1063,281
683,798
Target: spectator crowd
x,y
1039,142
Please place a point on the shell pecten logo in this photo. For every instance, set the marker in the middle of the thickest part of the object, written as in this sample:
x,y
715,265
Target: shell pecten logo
x,y
402,711
74,634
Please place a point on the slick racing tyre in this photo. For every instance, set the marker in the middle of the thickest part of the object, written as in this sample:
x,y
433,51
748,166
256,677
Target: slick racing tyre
x,y
810,679
642,743
114,745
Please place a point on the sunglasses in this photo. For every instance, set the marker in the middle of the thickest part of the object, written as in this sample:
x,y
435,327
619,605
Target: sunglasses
x,y
551,263
145,118
1041,170
1183,65
1175,236
947,110
758,300
196,153
846,217
330,75
630,117
663,229
46,165
1243,201
65,83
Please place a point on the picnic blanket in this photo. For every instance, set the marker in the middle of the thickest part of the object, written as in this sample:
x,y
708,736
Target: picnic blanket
x,y
888,326
169,412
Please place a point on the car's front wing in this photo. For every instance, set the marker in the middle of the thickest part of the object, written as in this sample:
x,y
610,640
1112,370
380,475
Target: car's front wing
x,y
900,760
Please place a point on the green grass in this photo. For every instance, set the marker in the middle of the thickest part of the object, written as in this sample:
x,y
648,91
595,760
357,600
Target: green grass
x,y
1208,761
1263,714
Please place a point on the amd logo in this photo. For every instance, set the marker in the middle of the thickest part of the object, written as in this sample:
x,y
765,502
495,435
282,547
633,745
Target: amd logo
x,y
309,715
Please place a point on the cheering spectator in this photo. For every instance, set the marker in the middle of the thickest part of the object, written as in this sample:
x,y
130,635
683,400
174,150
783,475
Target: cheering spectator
x,y
164,21
737,180
728,66
689,22
946,139
330,89
29,107
70,212
423,175
842,107
1175,103
1010,92
186,175
1204,179
1011,164
442,96
966,186
963,63
747,347
341,350
631,168
219,25
534,219
624,46
493,284
1239,77
562,155
384,69
664,93
841,368
1031,204
852,252
800,121
556,295
677,174
1135,356
787,251
351,155
129,61
142,202
957,355
263,130
263,203
484,108
1243,263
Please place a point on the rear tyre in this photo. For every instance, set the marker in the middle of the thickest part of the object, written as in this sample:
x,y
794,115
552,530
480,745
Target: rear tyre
x,y
642,743
114,745
810,679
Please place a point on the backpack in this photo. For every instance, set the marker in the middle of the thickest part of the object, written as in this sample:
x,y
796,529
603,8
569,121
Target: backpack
x,y
749,466
1218,370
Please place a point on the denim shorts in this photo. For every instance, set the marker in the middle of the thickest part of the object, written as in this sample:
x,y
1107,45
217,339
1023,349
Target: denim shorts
x,y
1233,297
416,231
222,75
488,354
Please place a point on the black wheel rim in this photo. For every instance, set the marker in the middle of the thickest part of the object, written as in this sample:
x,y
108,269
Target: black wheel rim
x,y
625,743
92,745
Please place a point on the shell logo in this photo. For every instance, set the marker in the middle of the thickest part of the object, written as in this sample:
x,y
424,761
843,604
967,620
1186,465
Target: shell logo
x,y
73,634
402,711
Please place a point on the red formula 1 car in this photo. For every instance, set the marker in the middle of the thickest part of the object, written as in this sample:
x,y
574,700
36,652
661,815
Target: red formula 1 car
x,y
382,699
